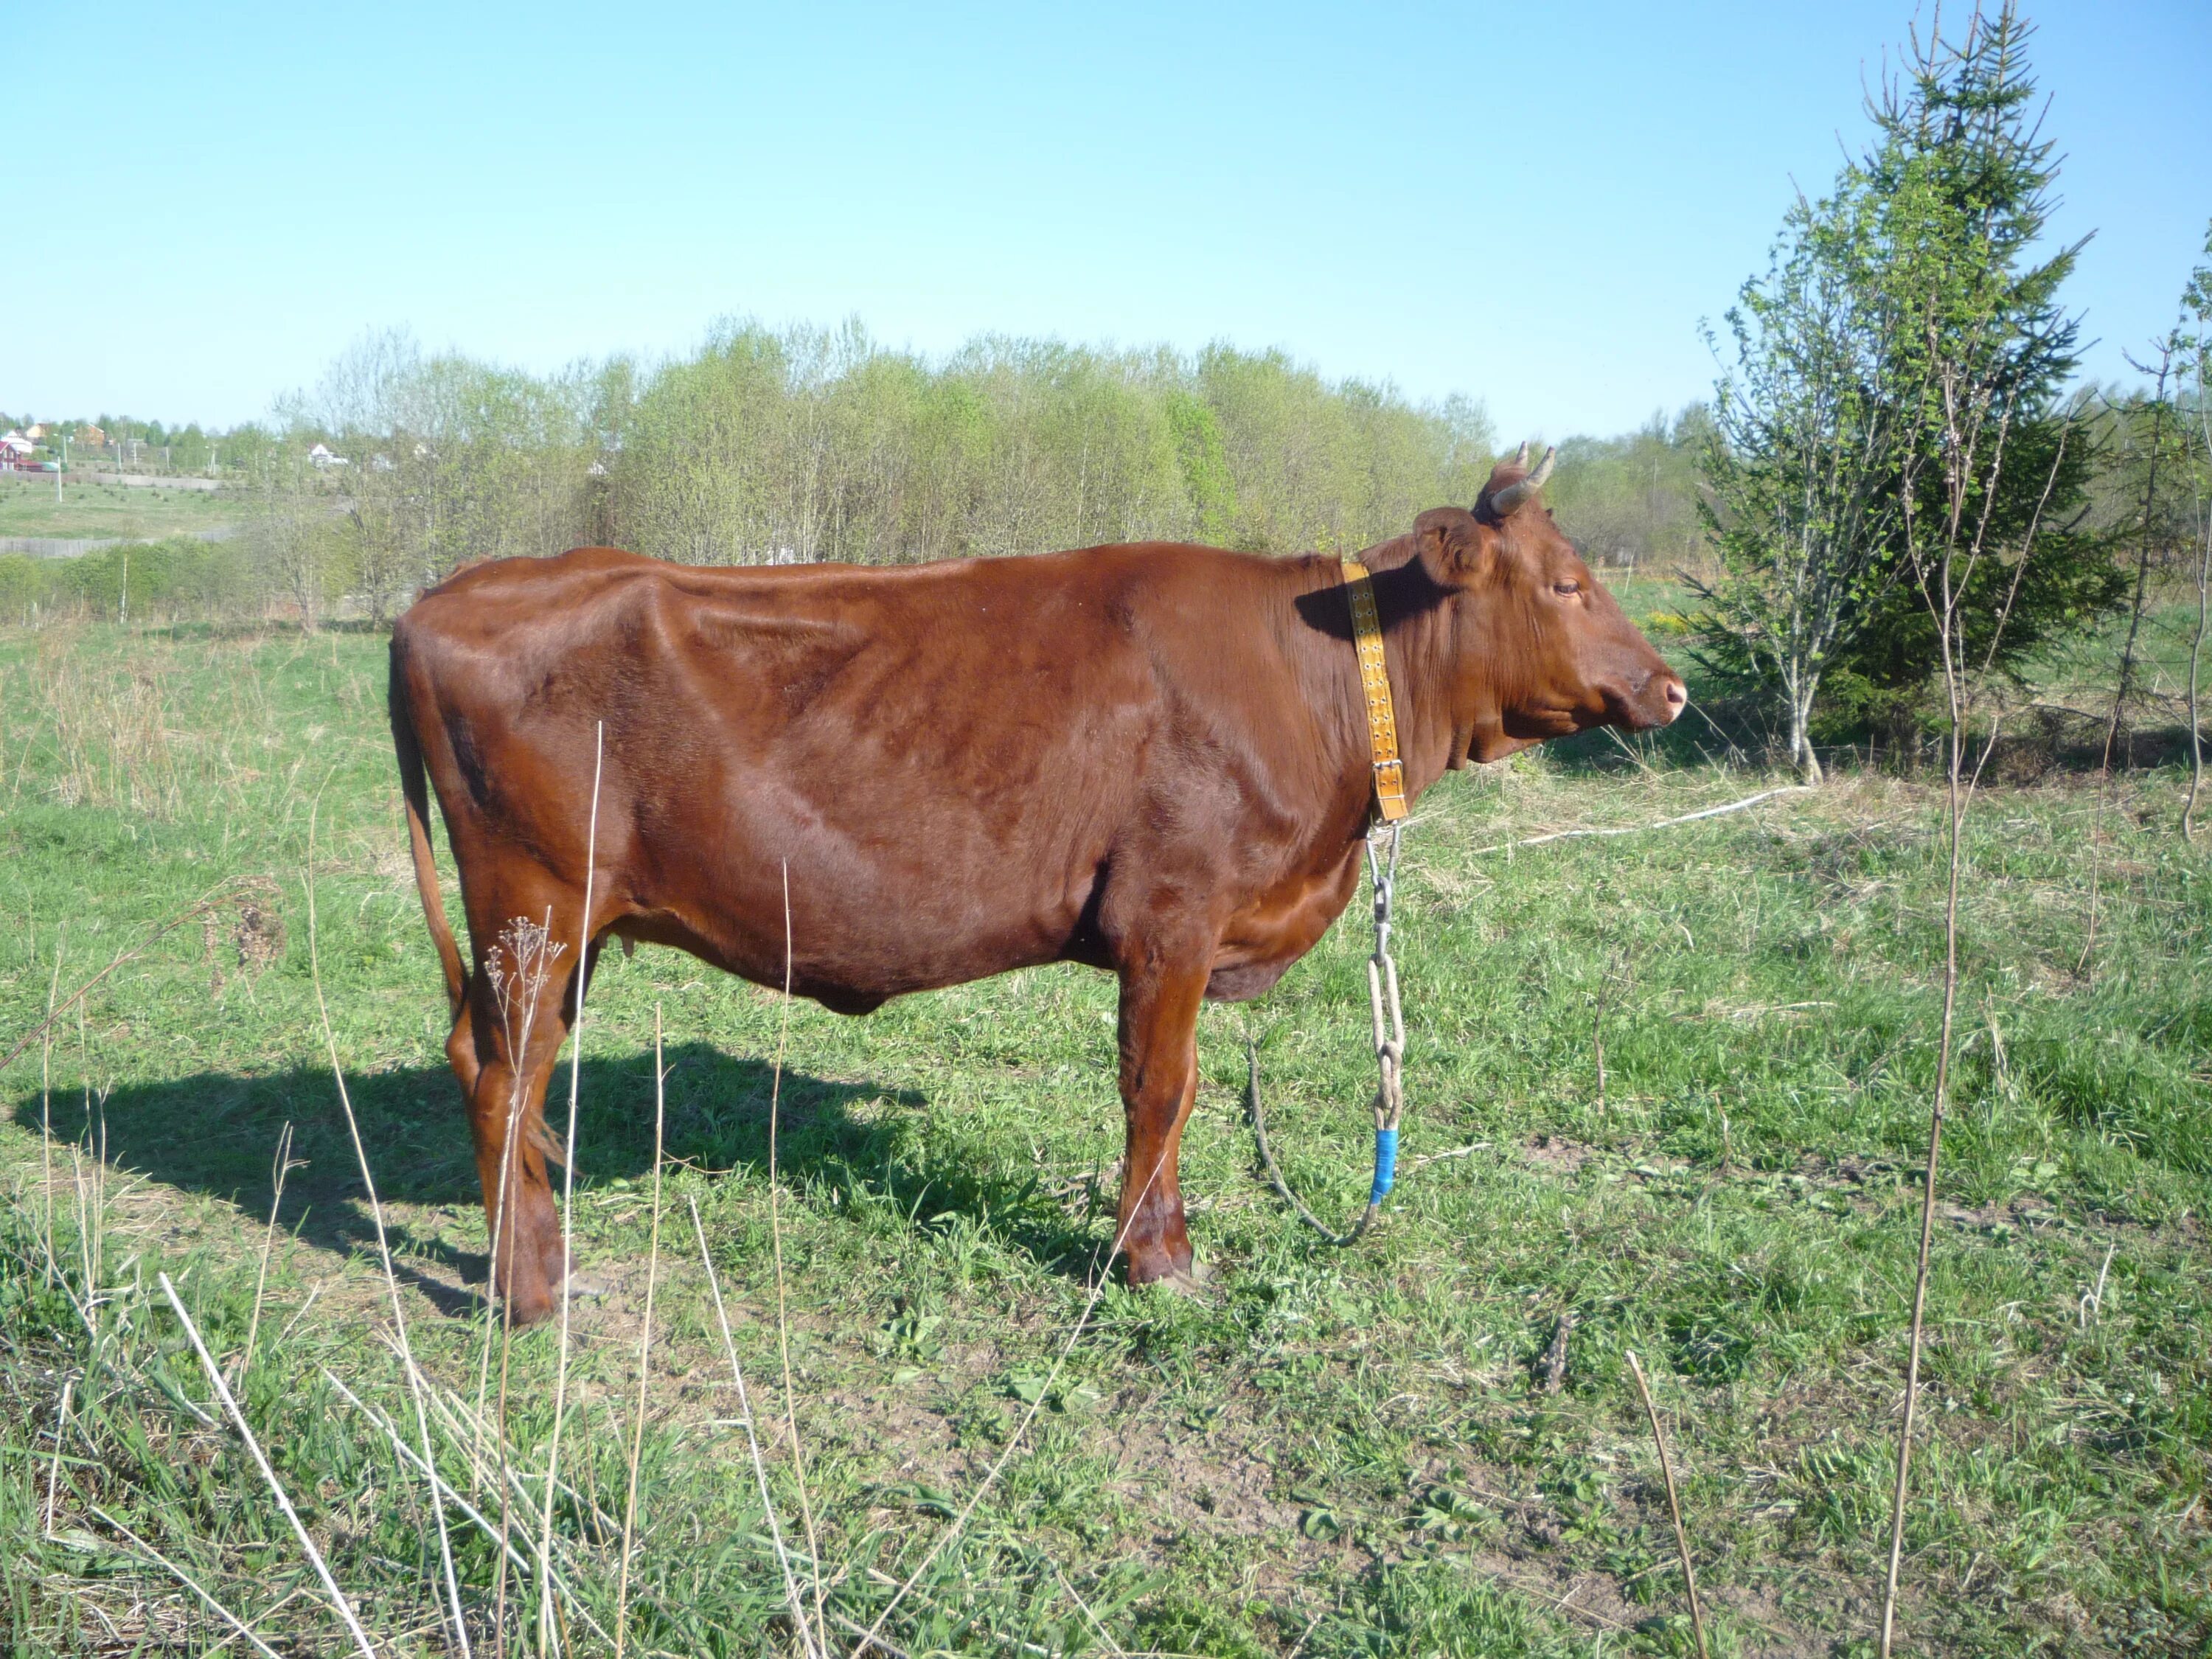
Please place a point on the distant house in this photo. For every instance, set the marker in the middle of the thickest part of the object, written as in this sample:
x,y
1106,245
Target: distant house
x,y
15,445
37,433
320,456
91,437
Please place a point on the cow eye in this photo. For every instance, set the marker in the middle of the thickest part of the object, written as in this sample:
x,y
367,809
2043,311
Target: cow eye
x,y
1570,585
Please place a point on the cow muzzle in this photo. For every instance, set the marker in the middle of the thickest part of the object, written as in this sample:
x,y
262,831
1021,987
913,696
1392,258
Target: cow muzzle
x,y
1653,699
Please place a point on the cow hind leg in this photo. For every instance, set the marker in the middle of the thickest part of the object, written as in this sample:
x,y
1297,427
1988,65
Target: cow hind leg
x,y
504,1048
1159,1085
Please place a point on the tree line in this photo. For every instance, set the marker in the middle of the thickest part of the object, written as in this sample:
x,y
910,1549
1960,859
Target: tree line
x,y
781,445
800,444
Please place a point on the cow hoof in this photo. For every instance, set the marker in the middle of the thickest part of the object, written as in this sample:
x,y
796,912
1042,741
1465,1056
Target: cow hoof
x,y
1192,1281
518,1311
582,1287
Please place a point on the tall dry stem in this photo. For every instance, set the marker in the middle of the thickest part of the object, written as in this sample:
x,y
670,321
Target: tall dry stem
x,y
1937,1110
475,1517
1976,422
46,1109
776,1236
644,1343
2123,683
1674,1504
54,1469
189,1583
415,1384
281,1167
809,1640
518,968
338,1601
545,1605
2203,529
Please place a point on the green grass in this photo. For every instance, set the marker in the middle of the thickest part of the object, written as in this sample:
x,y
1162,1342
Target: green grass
x,y
1345,1453
27,508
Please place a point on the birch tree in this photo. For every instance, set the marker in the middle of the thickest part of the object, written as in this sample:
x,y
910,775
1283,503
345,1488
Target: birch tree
x,y
1804,455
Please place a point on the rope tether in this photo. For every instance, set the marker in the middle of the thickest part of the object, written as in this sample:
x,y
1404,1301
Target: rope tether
x,y
1389,1052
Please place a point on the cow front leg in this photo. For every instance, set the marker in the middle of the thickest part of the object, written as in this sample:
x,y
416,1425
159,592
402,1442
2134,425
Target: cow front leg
x,y
1159,1085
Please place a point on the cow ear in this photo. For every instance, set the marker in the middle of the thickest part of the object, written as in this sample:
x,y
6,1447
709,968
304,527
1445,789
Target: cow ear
x,y
1452,544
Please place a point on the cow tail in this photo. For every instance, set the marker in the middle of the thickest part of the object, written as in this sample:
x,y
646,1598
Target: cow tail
x,y
414,790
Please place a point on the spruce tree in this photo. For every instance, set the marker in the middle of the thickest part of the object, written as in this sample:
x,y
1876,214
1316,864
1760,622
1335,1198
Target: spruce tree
x,y
1829,446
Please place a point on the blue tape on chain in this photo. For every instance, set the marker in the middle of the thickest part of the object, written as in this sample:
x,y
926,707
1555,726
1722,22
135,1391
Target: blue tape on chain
x,y
1386,1164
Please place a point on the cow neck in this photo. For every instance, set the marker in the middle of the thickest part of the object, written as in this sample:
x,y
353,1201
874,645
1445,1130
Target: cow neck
x,y
1415,616
1314,633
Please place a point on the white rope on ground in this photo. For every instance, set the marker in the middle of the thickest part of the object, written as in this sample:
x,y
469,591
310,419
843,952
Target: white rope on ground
x,y
1663,823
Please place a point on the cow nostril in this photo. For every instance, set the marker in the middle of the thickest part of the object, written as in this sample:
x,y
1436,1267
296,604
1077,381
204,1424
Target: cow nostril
x,y
1677,694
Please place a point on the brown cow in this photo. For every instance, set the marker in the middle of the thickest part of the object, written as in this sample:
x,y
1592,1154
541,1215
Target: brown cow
x,y
1151,758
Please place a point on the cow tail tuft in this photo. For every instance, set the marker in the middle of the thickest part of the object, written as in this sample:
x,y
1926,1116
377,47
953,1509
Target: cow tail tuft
x,y
414,789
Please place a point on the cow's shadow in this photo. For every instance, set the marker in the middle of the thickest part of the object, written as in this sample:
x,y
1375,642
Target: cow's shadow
x,y
216,1134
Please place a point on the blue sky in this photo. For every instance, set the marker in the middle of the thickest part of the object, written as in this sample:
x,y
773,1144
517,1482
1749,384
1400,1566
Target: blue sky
x,y
1536,205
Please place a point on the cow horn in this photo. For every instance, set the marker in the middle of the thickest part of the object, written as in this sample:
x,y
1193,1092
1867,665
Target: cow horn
x,y
1521,455
1506,502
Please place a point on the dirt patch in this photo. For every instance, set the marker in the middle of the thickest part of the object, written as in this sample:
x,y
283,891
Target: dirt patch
x,y
1195,1475
1558,1154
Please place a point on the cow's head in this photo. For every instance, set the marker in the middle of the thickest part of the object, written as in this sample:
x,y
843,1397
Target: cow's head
x,y
1539,649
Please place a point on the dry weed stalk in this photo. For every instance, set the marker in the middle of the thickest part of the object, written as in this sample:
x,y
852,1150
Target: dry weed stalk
x,y
338,1601
1976,418
187,1581
2203,527
530,947
475,1517
2125,682
465,1428
282,1167
808,1638
91,1193
775,1238
1112,1646
645,1342
568,1200
518,968
2092,1305
1674,1504
54,1469
415,1385
45,1111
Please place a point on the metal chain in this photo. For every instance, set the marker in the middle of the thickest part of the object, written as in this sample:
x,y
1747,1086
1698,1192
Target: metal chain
x,y
1389,1027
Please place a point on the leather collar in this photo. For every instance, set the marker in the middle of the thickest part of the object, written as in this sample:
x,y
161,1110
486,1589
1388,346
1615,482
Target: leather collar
x,y
1389,771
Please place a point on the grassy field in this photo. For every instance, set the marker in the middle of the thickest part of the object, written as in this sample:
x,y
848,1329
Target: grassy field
x,y
27,508
1334,1453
